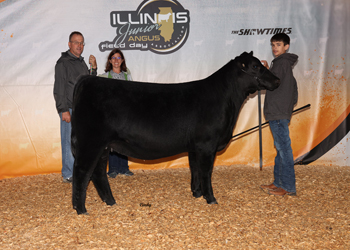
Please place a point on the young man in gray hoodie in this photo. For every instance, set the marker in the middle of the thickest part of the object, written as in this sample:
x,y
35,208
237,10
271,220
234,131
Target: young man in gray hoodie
x,y
278,110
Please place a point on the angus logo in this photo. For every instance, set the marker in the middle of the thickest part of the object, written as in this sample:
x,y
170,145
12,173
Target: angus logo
x,y
160,26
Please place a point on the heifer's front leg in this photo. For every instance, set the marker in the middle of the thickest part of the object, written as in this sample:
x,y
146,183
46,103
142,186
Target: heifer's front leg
x,y
195,175
206,162
100,180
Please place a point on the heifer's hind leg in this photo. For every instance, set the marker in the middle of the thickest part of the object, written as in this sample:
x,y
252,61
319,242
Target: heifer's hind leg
x,y
84,165
195,175
81,178
100,180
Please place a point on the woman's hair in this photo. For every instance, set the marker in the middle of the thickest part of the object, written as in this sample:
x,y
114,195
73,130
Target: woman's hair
x,y
109,66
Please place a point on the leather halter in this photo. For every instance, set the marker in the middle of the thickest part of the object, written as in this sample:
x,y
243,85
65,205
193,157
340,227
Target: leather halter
x,y
256,77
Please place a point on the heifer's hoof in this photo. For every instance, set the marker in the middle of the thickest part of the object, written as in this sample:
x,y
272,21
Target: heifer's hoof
x,y
86,213
80,211
197,194
83,213
109,200
211,201
111,203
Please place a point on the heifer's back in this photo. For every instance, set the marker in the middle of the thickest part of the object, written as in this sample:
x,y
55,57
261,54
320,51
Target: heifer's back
x,y
147,120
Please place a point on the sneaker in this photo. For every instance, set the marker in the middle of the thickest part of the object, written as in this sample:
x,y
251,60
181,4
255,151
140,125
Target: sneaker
x,y
112,175
128,173
68,180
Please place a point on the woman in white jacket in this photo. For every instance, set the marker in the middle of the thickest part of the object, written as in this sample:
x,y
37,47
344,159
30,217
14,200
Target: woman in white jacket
x,y
116,69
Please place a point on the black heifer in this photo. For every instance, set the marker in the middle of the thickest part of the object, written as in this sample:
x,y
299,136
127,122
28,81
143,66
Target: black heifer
x,y
151,121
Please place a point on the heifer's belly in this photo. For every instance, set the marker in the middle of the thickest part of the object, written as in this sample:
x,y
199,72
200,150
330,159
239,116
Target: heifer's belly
x,y
151,133
149,148
159,139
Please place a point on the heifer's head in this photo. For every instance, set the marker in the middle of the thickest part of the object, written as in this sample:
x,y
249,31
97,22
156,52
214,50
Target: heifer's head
x,y
260,77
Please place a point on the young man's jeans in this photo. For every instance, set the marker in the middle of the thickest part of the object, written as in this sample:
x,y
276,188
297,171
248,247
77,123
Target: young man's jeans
x,y
284,162
67,156
118,163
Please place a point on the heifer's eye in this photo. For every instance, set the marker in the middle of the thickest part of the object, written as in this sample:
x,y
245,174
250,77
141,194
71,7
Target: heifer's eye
x,y
255,67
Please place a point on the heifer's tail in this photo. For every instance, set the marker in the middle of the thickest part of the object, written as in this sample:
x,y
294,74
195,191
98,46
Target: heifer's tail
x,y
77,87
76,93
73,142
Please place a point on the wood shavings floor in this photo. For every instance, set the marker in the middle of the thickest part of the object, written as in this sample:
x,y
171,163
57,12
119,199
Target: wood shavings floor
x,y
155,210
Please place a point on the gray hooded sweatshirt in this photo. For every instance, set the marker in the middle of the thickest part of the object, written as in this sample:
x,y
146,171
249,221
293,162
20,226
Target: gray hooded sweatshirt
x,y
68,69
280,102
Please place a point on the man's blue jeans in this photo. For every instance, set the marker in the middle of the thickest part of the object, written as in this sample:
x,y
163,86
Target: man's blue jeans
x,y
67,156
118,163
284,163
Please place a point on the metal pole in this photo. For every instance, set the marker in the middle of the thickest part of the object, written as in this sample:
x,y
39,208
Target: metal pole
x,y
260,131
299,109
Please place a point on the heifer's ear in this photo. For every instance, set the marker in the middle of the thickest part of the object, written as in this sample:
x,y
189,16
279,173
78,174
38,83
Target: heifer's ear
x,y
251,53
243,54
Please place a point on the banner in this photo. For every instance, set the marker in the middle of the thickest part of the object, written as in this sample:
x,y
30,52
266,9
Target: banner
x,y
168,41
